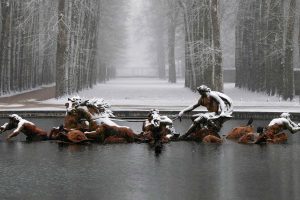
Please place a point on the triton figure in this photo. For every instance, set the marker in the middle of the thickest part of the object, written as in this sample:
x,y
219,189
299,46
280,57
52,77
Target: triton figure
x,y
219,108
32,132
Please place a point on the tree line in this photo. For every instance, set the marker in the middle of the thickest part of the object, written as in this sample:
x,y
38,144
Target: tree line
x,y
75,44
24,46
265,46
203,55
72,43
191,27
265,39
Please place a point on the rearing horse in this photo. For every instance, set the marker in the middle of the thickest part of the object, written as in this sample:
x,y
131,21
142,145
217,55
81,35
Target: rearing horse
x,y
97,125
100,112
76,118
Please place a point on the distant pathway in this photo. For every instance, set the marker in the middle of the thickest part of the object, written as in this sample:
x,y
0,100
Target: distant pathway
x,y
28,99
39,94
141,94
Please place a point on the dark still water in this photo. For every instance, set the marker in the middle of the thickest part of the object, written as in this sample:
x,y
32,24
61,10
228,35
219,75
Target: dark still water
x,y
184,170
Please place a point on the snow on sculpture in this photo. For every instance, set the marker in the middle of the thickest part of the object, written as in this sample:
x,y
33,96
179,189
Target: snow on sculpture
x,y
157,130
30,130
219,108
92,117
273,132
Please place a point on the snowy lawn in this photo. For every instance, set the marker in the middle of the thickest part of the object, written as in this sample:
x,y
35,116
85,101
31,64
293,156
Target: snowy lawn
x,y
140,93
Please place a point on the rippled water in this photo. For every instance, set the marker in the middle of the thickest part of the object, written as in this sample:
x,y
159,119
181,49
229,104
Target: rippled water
x,y
184,170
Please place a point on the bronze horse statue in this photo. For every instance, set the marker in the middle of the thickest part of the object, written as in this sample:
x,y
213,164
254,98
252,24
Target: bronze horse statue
x,y
95,123
237,132
247,135
68,136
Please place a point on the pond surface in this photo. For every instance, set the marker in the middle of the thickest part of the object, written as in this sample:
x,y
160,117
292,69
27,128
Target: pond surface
x,y
184,170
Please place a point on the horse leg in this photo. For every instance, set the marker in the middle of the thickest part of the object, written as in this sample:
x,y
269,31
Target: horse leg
x,y
249,138
164,139
95,135
236,133
278,138
146,137
212,139
261,139
127,134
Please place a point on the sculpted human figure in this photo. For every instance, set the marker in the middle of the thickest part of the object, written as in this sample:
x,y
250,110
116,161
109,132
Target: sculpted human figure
x,y
219,108
273,133
32,132
157,127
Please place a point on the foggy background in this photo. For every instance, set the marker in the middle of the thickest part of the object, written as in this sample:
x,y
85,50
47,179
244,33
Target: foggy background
x,y
74,45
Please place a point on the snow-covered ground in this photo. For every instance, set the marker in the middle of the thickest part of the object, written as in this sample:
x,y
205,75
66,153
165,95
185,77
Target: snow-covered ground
x,y
28,90
146,93
140,93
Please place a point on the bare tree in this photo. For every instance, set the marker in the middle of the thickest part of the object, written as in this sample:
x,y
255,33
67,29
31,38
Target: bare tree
x,y
203,49
45,42
264,46
172,22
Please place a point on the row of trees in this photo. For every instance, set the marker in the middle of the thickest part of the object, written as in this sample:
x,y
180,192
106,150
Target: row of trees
x,y
264,46
27,55
72,43
197,24
202,44
266,43
76,45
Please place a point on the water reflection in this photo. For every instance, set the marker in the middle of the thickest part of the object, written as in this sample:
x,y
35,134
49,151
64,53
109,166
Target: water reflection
x,y
184,170
73,147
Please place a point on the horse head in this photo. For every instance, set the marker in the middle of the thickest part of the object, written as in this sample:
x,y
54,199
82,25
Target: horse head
x,y
72,104
91,107
76,116
98,107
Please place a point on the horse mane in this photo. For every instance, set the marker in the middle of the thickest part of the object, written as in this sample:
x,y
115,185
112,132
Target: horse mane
x,y
75,118
98,106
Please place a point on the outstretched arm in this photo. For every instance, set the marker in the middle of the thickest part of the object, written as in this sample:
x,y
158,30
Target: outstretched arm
x,y
291,126
188,109
16,131
166,120
5,127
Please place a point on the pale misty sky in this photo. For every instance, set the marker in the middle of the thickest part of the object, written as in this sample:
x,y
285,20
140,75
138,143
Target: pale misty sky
x,y
136,43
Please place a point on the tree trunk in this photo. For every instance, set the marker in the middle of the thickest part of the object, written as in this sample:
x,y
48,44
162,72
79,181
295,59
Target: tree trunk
x,y
171,50
62,52
217,55
288,76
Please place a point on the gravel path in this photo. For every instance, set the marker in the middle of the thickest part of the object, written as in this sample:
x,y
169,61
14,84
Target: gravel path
x,y
29,99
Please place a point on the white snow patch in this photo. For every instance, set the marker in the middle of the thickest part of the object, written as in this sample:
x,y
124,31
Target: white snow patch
x,y
31,100
144,94
11,105
138,92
